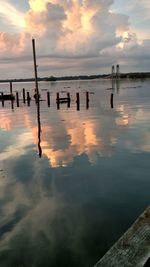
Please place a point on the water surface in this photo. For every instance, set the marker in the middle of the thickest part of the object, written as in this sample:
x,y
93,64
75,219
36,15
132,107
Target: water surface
x,y
72,181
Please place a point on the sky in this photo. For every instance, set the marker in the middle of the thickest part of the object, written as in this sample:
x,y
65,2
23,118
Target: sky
x,y
73,37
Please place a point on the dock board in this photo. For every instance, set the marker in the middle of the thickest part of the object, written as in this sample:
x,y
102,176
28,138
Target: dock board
x,y
133,248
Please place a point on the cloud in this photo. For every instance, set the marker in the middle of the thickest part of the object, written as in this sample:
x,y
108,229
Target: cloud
x,y
11,15
68,28
85,30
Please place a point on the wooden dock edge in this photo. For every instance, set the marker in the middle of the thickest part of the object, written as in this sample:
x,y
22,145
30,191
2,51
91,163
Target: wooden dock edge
x,y
133,248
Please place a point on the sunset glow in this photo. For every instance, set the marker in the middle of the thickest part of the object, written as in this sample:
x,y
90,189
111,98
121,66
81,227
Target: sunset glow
x,y
37,5
75,31
15,17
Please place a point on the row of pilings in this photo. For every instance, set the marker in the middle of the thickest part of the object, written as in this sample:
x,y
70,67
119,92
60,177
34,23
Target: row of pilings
x,y
27,98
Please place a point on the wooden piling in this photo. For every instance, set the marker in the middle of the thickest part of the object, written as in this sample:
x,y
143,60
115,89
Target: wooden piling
x,y
2,94
57,101
28,98
68,95
57,97
69,99
112,100
24,96
48,99
58,105
10,87
87,100
35,68
78,101
17,99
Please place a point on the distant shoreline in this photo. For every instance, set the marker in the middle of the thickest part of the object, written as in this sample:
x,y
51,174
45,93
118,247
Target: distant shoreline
x,y
132,75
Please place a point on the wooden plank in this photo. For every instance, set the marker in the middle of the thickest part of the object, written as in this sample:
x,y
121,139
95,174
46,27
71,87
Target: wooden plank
x,y
7,97
133,248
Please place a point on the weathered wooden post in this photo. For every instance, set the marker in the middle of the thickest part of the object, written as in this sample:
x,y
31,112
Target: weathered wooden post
x,y
28,98
35,68
69,99
111,100
24,96
78,101
11,88
17,99
57,101
2,94
48,99
57,97
87,100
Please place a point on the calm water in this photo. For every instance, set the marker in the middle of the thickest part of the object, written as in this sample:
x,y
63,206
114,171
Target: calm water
x,y
67,207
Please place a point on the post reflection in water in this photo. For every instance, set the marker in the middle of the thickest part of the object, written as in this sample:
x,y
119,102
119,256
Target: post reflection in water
x,y
118,85
39,127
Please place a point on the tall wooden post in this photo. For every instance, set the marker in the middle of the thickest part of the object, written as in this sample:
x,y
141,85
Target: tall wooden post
x,y
35,68
37,99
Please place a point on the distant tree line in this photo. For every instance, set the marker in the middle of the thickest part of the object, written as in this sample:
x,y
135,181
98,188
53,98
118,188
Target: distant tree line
x,y
134,75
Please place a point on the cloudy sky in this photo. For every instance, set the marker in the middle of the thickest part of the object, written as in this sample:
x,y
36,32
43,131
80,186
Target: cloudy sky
x,y
73,36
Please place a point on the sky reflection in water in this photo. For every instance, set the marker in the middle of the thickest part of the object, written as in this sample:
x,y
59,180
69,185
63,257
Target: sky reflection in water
x,y
69,206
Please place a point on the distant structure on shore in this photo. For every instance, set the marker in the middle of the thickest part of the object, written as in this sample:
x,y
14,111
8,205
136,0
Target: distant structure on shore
x,y
115,74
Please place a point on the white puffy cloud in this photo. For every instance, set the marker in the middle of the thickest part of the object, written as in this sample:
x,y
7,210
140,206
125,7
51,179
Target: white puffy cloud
x,y
79,31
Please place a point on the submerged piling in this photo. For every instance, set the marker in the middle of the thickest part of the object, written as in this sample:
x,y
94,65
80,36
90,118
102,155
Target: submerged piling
x,y
10,87
24,95
2,94
112,100
17,99
78,101
57,101
57,97
28,98
87,100
69,99
48,99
